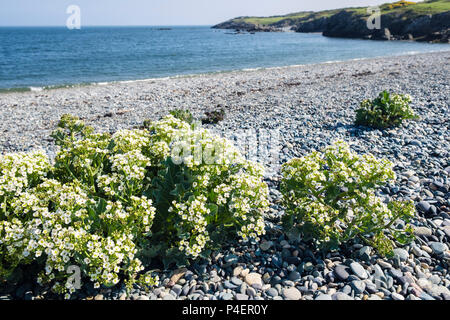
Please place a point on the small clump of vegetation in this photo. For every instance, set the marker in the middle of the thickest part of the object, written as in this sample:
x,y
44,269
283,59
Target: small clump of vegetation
x,y
387,110
214,117
330,198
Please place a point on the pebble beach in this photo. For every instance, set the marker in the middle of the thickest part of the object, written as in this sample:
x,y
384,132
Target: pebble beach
x,y
309,107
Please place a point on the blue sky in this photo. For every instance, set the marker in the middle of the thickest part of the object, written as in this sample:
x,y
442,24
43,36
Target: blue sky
x,y
156,12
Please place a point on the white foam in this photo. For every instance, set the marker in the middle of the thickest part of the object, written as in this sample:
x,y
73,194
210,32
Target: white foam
x,y
36,89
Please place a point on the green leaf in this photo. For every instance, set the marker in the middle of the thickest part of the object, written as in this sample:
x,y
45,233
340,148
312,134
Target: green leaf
x,y
101,206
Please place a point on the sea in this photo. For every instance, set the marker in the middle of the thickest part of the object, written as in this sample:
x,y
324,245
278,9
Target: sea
x,y
39,58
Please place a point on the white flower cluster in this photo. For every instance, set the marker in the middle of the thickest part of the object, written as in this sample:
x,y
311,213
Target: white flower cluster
x,y
223,178
193,217
91,208
19,170
331,194
131,140
73,234
128,173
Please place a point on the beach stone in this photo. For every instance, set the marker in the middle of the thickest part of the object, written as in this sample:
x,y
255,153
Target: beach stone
x,y
384,264
402,254
236,281
231,258
237,271
417,251
423,206
359,286
347,289
250,292
424,283
228,285
426,296
379,278
395,273
243,288
341,272
177,275
253,279
427,249
437,291
294,276
323,297
266,277
435,279
396,296
365,252
409,173
437,185
227,296
341,296
168,296
446,230
272,292
422,231
123,296
308,266
291,294
245,272
241,297
438,247
358,270
266,245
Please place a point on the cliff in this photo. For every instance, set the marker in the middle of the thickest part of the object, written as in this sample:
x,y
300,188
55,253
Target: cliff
x,y
422,21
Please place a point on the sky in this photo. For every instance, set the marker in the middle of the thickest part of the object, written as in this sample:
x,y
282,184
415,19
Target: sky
x,y
156,12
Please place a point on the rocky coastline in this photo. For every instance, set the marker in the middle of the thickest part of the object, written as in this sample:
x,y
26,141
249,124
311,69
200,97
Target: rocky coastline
x,y
353,24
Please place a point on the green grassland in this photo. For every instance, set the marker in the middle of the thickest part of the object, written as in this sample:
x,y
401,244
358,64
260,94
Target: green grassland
x,y
407,8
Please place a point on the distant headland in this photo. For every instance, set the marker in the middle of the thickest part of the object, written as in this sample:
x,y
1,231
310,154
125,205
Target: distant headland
x,y
403,20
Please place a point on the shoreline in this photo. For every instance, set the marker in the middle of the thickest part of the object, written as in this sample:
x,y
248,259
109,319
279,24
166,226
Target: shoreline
x,y
46,88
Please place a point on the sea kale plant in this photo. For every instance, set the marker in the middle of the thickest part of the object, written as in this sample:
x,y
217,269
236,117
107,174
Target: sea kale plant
x,y
183,114
330,198
112,205
387,110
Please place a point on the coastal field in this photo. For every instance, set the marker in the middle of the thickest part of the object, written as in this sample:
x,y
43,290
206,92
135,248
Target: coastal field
x,y
309,107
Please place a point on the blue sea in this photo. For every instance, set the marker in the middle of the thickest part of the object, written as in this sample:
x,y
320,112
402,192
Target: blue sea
x,y
42,57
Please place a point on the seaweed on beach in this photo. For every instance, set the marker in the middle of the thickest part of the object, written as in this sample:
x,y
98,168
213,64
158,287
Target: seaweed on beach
x,y
214,117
